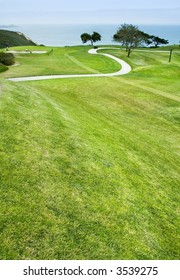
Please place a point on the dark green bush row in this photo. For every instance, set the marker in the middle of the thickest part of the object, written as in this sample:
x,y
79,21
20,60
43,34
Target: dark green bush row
x,y
7,58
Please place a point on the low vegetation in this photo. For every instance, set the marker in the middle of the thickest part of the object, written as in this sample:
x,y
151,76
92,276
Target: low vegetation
x,y
90,166
7,58
12,38
3,68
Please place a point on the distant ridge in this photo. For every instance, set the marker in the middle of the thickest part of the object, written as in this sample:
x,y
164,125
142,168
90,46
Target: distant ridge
x,y
12,38
8,26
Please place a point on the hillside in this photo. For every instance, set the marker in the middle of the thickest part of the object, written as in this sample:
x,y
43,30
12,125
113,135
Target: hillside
x,y
89,167
12,38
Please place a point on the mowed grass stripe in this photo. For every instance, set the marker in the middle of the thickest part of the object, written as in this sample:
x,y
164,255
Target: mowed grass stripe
x,y
76,61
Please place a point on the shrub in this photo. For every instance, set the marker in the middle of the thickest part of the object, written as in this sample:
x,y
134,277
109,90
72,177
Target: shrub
x,y
7,58
3,68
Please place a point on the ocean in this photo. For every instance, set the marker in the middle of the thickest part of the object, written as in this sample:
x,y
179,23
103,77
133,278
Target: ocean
x,y
69,35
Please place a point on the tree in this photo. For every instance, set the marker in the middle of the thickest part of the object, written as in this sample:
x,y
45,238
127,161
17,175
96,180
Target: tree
x,y
130,36
95,37
157,41
85,37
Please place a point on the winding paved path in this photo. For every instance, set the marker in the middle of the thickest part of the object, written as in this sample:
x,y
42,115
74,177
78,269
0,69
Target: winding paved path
x,y
125,68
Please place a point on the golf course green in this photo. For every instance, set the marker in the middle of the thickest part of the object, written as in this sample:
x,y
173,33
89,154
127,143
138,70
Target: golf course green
x,y
90,166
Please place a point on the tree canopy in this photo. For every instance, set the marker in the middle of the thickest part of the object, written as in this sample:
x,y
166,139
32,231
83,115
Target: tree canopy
x,y
85,37
131,36
155,40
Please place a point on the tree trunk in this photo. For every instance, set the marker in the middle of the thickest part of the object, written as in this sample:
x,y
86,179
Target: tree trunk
x,y
129,51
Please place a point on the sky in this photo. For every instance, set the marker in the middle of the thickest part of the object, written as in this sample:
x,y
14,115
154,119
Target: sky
x,y
162,12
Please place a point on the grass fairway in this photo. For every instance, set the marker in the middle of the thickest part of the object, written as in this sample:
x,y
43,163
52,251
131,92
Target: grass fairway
x,y
89,166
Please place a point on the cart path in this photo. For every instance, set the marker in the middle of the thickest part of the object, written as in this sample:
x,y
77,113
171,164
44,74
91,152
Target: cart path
x,y
125,68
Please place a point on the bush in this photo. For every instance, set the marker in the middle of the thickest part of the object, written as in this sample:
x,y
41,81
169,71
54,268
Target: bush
x,y
3,68
7,58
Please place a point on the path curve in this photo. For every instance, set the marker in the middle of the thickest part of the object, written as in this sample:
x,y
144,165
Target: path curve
x,y
125,68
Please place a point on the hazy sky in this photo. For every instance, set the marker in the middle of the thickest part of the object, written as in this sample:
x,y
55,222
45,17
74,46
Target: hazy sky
x,y
90,11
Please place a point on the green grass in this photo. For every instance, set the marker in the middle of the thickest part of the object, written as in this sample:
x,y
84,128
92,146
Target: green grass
x,y
65,60
89,167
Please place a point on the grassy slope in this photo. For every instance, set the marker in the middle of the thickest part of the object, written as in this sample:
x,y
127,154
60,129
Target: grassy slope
x,y
90,166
